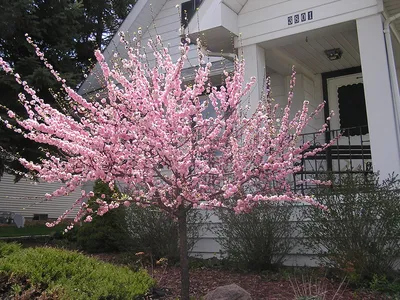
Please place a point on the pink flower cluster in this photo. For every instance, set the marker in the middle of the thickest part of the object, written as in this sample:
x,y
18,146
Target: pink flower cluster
x,y
149,132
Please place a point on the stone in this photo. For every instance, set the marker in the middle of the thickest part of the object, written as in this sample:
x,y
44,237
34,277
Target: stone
x,y
228,292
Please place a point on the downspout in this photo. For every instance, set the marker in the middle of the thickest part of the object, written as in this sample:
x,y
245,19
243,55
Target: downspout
x,y
393,75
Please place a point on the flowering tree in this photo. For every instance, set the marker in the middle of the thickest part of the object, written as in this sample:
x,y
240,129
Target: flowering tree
x,y
150,132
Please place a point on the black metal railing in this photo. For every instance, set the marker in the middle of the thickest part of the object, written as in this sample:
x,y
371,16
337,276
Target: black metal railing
x,y
350,153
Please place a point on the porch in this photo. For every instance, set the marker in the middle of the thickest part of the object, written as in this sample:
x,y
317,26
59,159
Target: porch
x,y
350,153
346,65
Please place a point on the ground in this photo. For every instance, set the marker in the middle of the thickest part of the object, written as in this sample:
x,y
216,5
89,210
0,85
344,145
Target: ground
x,y
204,280
260,286
29,230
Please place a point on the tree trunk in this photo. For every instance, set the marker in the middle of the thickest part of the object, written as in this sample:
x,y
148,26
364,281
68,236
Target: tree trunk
x,y
183,253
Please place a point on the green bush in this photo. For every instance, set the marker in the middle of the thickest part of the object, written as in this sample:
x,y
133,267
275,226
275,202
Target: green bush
x,y
360,231
258,240
72,275
382,284
105,233
8,248
155,232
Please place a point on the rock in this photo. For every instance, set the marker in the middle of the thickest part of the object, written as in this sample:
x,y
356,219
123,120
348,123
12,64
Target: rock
x,y
228,292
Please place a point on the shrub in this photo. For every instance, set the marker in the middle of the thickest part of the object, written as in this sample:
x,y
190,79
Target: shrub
x,y
360,231
72,275
8,248
104,233
258,240
155,232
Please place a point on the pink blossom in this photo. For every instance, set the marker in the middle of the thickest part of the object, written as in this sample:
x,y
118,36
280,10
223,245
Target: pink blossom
x,y
150,134
11,114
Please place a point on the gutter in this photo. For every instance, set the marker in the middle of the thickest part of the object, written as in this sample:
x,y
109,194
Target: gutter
x,y
393,75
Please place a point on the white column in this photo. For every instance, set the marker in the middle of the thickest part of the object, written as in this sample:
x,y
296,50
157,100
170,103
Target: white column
x,y
378,96
254,57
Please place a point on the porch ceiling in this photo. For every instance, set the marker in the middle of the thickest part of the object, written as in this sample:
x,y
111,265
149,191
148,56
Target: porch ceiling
x,y
307,51
392,7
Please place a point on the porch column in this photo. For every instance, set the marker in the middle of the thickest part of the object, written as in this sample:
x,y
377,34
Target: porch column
x,y
254,57
378,96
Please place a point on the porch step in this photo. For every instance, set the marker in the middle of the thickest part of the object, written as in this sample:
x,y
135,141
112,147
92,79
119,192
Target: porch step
x,y
342,152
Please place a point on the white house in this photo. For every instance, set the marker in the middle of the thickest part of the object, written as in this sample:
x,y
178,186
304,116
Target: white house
x,y
346,52
27,198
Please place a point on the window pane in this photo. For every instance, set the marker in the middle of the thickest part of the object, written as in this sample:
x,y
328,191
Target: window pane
x,y
352,110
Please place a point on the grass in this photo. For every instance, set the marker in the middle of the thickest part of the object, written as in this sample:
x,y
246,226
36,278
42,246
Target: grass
x,y
30,230
67,275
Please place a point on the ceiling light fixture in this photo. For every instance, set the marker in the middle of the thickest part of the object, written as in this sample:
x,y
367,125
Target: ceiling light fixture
x,y
334,54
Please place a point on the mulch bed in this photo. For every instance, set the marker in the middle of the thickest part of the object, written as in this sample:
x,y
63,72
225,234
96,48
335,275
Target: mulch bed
x,y
203,280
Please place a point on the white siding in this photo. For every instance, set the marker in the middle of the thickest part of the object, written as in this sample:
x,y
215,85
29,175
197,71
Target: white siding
x,y
208,246
27,198
263,20
278,89
306,89
167,25
235,5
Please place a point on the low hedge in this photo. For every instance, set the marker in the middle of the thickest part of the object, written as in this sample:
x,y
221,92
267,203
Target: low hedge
x,y
70,275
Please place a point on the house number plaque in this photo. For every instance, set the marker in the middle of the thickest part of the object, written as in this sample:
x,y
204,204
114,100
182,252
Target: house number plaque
x,y
300,18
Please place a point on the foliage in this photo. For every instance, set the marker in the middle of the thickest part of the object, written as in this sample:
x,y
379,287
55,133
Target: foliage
x,y
73,275
259,240
152,134
382,284
102,20
55,24
107,233
192,160
359,233
154,232
68,31
8,248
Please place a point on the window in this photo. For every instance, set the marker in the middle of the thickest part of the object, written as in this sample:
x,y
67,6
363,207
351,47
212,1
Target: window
x,y
352,110
40,217
188,10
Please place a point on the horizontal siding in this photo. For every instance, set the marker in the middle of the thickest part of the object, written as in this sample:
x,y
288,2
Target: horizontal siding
x,y
208,246
235,5
167,25
27,198
267,20
268,10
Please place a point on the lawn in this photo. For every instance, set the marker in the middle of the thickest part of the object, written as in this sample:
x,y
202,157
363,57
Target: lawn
x,y
30,230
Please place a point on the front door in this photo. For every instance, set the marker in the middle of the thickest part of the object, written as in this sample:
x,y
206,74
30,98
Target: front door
x,y
347,100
